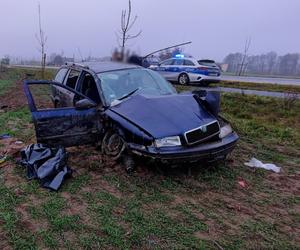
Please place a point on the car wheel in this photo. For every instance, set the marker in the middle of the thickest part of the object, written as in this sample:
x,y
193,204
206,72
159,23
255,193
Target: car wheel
x,y
183,79
113,145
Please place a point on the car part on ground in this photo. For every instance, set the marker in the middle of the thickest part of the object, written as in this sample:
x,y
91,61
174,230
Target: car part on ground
x,y
4,136
128,162
254,163
3,158
48,165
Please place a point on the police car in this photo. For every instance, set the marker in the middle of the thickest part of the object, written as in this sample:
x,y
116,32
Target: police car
x,y
185,70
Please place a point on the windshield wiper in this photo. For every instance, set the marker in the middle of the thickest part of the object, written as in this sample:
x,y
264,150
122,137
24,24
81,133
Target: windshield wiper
x,y
129,94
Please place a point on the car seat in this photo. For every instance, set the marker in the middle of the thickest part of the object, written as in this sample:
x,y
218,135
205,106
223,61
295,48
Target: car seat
x,y
91,90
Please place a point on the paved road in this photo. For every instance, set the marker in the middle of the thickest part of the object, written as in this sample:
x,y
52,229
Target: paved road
x,y
273,80
253,92
246,91
32,66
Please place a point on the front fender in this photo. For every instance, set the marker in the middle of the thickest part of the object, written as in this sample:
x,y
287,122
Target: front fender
x,y
209,99
129,131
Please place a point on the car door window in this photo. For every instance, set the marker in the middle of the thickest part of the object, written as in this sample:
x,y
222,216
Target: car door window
x,y
188,63
178,62
60,76
88,87
42,94
66,127
72,78
167,62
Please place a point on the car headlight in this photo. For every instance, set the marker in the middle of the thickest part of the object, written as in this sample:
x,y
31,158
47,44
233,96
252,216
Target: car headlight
x,y
225,130
168,142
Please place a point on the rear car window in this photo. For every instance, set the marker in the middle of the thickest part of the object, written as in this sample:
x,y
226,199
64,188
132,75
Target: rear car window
x,y
207,63
60,76
72,78
188,63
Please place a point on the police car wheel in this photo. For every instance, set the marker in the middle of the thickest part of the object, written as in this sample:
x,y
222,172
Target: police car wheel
x,y
183,79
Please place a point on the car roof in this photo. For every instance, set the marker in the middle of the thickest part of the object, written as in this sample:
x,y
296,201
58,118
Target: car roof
x,y
184,58
100,67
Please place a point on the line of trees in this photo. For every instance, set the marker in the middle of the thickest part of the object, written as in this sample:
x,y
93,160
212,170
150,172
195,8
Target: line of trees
x,y
265,64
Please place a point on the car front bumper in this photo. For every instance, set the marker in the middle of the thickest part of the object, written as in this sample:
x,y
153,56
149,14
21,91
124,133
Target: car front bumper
x,y
210,151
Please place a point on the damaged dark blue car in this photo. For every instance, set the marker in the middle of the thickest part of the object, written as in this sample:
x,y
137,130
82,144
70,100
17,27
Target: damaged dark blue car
x,y
128,110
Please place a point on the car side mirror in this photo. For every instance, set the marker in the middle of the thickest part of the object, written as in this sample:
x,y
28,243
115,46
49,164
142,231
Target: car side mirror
x,y
84,104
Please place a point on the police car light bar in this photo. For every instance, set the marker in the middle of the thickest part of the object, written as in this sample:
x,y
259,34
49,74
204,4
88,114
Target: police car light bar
x,y
179,56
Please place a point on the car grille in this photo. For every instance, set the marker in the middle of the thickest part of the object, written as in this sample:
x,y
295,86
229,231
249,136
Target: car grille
x,y
202,133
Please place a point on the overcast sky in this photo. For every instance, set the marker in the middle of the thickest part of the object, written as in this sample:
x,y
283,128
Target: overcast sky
x,y
216,27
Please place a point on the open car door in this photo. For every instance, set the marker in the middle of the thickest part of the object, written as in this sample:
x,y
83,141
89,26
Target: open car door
x,y
70,126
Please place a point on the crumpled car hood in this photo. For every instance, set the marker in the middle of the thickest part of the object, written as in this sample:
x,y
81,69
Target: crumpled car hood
x,y
164,115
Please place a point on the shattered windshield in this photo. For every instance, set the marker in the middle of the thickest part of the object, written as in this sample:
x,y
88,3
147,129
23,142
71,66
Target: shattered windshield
x,y
119,84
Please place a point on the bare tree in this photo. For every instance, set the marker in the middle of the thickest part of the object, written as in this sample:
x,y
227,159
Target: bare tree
x,y
127,23
246,49
42,39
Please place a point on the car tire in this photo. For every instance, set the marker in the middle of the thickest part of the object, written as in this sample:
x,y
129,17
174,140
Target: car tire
x,y
183,79
113,145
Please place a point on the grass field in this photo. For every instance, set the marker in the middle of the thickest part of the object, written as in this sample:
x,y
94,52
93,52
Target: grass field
x,y
101,207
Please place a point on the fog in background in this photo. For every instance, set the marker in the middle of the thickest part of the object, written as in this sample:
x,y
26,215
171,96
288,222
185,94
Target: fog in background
x,y
216,27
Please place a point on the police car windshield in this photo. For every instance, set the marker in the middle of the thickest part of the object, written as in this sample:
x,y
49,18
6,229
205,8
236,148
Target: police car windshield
x,y
118,84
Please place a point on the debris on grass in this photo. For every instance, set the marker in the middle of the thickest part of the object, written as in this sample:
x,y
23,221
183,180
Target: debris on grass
x,y
254,163
19,142
11,146
2,159
4,136
242,183
48,165
4,107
